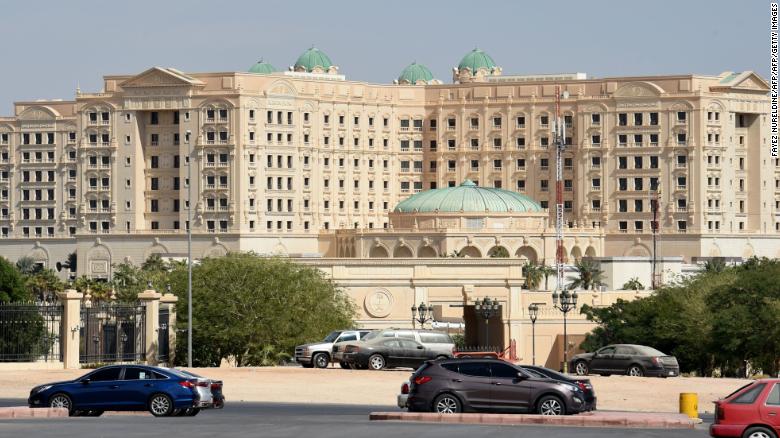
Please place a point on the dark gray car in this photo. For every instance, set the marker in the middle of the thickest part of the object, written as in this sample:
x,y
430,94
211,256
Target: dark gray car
x,y
633,360
378,353
492,385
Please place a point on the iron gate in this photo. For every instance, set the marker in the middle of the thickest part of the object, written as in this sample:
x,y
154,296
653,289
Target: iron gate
x,y
113,332
163,352
31,332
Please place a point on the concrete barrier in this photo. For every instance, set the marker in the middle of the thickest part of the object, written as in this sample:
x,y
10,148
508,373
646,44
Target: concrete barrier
x,y
613,419
16,412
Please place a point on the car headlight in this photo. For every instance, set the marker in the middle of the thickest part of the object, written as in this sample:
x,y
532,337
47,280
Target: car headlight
x,y
41,388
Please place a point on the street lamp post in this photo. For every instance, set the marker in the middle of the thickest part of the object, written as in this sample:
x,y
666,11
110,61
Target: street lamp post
x,y
568,302
187,139
533,313
421,314
486,309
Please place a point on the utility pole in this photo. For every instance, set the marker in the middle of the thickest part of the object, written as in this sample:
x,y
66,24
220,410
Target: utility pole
x,y
654,226
189,247
560,135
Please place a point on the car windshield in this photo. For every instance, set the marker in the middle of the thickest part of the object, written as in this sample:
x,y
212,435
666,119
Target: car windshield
x,y
648,351
187,373
738,389
370,335
534,373
546,372
332,336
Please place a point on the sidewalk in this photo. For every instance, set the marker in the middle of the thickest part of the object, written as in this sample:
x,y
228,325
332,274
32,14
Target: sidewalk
x,y
612,419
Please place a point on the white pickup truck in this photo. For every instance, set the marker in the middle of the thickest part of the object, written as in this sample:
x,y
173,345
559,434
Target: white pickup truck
x,y
318,354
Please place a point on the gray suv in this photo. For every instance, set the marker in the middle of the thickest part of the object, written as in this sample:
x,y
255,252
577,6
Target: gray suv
x,y
456,385
318,354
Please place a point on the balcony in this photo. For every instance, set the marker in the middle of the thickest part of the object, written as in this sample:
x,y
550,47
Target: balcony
x,y
679,209
682,187
595,166
450,128
595,188
682,165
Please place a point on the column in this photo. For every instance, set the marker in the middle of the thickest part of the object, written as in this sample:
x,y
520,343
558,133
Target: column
x,y
170,301
71,320
151,299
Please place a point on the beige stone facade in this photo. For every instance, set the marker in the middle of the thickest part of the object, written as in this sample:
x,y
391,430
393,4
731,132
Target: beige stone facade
x,y
283,162
385,290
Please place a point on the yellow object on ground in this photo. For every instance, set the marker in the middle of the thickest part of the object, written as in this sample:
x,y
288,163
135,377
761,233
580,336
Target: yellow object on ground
x,y
689,404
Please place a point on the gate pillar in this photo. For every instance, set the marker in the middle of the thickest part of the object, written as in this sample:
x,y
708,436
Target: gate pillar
x,y
170,300
71,318
151,299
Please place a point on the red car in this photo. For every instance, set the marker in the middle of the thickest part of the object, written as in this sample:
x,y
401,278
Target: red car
x,y
752,411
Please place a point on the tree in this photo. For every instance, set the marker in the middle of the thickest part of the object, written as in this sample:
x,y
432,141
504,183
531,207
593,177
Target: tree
x,y
590,276
498,252
247,307
676,319
547,271
155,263
12,286
746,318
27,265
533,275
99,290
633,284
717,264
44,284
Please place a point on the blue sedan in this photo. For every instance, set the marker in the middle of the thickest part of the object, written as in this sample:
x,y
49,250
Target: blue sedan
x,y
161,391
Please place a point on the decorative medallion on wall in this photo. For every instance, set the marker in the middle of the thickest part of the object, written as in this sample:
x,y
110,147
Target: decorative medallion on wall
x,y
379,303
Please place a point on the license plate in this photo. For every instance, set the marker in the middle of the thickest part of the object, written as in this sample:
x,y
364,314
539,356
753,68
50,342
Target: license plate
x,y
671,373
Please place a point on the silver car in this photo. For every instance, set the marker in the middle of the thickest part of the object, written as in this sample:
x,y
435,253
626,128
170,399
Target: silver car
x,y
206,397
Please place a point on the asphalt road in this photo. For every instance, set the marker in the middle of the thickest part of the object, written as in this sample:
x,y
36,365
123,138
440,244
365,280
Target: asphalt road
x,y
293,420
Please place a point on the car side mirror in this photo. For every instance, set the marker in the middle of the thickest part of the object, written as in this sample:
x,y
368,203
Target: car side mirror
x,y
521,376
84,381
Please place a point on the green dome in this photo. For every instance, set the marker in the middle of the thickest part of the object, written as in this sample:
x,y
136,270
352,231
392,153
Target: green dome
x,y
313,58
262,67
468,198
415,72
475,60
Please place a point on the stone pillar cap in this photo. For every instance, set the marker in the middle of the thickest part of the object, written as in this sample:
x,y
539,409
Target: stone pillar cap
x,y
169,298
70,294
149,294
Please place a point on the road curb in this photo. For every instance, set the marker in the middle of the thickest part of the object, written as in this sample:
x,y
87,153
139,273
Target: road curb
x,y
636,420
20,412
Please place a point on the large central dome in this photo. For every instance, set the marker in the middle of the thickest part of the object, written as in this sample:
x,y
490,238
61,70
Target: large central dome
x,y
468,197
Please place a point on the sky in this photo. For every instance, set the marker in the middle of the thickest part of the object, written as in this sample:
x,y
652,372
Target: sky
x,y
51,47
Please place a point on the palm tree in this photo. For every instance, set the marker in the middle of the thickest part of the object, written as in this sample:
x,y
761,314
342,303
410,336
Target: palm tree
x,y
27,265
633,284
547,271
533,275
714,265
590,276
498,252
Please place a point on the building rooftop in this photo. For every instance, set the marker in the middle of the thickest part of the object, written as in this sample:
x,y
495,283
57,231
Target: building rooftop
x,y
468,198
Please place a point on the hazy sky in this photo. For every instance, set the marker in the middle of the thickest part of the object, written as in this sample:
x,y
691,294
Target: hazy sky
x,y
51,46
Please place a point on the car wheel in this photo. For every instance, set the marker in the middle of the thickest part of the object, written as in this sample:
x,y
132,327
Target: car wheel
x,y
191,412
376,362
160,405
320,360
635,371
447,404
581,368
62,401
344,365
758,432
550,405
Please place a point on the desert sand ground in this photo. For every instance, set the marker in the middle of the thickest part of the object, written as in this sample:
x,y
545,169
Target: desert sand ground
x,y
337,386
